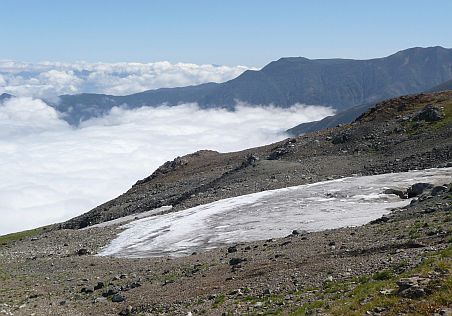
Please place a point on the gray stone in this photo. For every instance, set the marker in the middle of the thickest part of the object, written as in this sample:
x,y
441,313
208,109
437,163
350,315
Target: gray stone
x,y
98,286
418,188
429,113
413,287
399,193
117,298
82,252
439,189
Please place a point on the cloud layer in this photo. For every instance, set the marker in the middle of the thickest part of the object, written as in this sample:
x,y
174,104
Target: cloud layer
x,y
49,79
52,171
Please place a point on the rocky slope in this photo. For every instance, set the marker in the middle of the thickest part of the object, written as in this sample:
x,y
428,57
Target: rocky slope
x,y
339,83
398,265
388,138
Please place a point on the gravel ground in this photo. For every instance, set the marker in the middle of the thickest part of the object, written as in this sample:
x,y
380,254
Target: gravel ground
x,y
45,275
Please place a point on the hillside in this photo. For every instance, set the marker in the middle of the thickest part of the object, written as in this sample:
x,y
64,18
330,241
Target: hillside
x,y
387,138
348,115
339,83
400,262
344,117
442,87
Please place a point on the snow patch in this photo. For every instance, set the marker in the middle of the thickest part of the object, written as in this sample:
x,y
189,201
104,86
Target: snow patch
x,y
268,214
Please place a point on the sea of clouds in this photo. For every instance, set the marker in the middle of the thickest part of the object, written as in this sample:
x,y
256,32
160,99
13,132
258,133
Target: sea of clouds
x,y
50,79
51,171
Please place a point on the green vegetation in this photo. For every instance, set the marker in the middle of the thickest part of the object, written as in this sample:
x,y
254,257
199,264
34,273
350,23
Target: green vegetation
x,y
3,276
307,308
379,292
414,127
364,293
219,300
447,120
5,239
382,275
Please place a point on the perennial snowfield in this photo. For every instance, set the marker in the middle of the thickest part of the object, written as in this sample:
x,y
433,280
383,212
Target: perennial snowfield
x,y
269,214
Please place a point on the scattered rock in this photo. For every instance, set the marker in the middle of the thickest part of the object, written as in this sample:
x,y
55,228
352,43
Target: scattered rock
x,y
413,287
211,297
134,285
100,299
267,292
98,286
236,261
379,309
110,291
258,304
237,292
444,312
380,220
127,311
86,290
117,298
82,252
387,291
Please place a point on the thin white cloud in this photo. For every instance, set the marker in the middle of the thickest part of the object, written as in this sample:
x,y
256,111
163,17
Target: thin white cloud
x,y
52,171
49,79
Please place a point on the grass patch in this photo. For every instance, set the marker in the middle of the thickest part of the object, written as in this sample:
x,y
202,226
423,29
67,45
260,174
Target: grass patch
x,y
3,277
447,120
307,308
382,275
219,300
416,127
6,239
366,296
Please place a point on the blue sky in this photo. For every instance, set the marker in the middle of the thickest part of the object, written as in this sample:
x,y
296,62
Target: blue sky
x,y
232,32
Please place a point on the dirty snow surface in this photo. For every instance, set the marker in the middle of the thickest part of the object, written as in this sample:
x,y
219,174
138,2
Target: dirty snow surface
x,y
268,214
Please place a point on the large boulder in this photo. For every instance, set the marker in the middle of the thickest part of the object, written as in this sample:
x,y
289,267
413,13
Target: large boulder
x,y
429,113
418,188
413,287
399,193
438,189
341,138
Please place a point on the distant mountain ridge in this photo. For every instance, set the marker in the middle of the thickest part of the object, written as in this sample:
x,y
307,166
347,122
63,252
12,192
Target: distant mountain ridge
x,y
5,96
348,115
442,87
339,83
344,117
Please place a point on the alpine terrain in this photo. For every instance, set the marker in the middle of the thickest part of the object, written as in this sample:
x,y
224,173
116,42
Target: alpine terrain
x,y
350,220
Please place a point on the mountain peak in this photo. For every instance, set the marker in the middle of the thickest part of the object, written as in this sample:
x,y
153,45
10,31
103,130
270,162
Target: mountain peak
x,y
5,96
338,83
